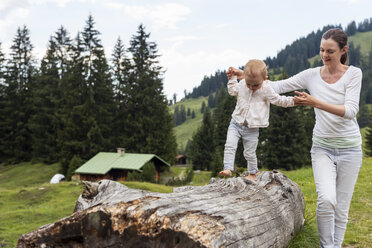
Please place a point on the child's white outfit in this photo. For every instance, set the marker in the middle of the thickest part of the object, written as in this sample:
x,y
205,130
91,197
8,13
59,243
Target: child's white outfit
x,y
251,112
336,153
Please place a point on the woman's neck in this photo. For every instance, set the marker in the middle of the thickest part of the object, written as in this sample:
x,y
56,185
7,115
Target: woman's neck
x,y
334,69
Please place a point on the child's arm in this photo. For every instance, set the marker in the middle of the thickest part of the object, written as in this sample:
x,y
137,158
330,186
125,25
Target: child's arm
x,y
232,86
234,72
276,99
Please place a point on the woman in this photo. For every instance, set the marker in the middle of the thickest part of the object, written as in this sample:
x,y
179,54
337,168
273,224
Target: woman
x,y
336,152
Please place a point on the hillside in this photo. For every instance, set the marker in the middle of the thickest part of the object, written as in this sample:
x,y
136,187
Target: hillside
x,y
364,40
185,131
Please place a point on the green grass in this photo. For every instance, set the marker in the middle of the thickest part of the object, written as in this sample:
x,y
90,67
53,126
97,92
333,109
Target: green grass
x,y
14,176
201,178
149,186
359,229
308,237
185,131
28,201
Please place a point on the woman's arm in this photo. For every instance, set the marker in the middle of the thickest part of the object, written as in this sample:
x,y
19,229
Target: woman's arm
x,y
303,98
350,107
281,86
352,94
296,82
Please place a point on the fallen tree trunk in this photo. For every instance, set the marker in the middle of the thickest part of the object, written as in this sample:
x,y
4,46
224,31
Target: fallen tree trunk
x,y
235,212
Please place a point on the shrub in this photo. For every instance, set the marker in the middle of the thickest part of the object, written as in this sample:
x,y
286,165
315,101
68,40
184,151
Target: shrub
x,y
147,175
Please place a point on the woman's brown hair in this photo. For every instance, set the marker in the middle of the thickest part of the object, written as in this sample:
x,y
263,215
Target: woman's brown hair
x,y
340,37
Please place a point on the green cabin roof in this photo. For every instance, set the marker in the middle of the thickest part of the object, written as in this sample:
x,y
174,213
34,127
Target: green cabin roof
x,y
103,162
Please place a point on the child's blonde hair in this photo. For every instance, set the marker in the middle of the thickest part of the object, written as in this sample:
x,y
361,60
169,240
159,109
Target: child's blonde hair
x,y
255,69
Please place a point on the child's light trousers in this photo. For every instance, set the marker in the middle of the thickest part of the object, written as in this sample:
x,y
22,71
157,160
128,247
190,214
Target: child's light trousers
x,y
335,174
250,140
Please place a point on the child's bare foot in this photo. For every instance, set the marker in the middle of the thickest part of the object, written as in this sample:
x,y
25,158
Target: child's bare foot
x,y
252,177
226,173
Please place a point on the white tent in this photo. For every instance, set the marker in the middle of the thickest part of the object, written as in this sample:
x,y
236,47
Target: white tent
x,y
57,178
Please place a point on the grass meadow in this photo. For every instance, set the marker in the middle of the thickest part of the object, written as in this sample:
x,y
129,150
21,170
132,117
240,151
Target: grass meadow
x,y
28,201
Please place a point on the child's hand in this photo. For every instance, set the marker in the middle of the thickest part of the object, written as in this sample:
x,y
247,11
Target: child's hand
x,y
226,173
303,98
234,72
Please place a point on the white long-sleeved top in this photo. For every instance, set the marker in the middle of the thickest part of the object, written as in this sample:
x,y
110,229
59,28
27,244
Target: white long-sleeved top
x,y
345,91
253,107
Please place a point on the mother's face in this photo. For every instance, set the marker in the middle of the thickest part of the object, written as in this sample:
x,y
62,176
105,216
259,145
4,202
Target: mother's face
x,y
330,51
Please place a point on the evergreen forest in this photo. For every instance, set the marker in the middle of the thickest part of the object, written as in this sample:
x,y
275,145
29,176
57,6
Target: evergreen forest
x,y
76,103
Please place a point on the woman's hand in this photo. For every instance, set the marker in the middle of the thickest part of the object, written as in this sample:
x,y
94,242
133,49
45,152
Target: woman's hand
x,y
303,98
234,72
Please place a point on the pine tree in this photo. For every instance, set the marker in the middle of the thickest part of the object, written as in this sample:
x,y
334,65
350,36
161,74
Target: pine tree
x,y
3,103
121,71
211,101
176,116
368,141
192,114
19,79
183,114
74,123
149,120
351,28
354,55
217,162
286,142
87,114
45,122
99,102
285,145
225,105
202,146
363,119
203,106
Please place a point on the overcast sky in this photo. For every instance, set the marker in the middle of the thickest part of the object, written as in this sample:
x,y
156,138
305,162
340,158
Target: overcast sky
x,y
194,37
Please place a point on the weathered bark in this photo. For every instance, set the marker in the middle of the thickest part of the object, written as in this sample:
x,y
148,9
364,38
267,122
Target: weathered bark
x,y
235,212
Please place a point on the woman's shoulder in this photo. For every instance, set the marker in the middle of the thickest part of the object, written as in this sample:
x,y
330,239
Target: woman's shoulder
x,y
354,70
314,70
310,72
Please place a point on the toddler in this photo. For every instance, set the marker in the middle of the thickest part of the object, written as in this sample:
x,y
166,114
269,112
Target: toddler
x,y
254,95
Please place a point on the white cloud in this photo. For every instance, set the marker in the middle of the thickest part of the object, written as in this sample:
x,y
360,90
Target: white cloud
x,y
59,3
166,15
184,38
222,25
4,4
12,16
195,65
350,2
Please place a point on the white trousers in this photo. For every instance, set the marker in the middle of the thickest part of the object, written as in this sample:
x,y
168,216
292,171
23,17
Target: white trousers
x,y
250,141
335,174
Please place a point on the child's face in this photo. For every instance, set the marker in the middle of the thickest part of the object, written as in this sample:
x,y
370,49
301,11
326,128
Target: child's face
x,y
254,84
